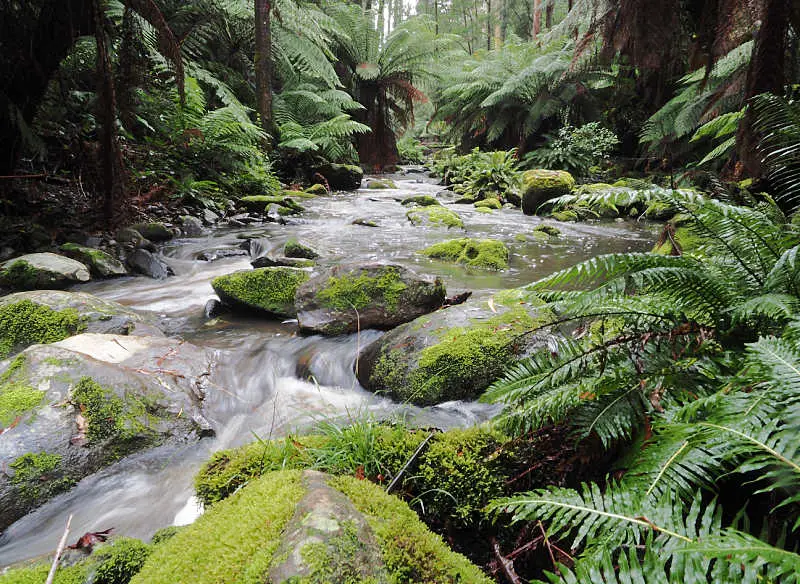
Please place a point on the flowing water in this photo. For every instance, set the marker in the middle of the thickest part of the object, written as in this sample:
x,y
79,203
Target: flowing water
x,y
273,381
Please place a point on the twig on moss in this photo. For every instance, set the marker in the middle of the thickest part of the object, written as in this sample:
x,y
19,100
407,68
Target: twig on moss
x,y
59,550
408,463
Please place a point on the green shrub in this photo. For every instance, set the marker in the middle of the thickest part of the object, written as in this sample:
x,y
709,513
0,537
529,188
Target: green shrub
x,y
574,149
120,560
410,150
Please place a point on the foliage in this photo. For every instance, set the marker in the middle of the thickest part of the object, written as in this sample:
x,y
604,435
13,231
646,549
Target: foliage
x,y
778,122
574,149
481,175
410,150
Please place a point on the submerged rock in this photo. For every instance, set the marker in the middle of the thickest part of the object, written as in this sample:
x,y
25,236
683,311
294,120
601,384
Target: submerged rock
x,y
297,249
73,407
435,216
305,527
342,177
454,353
42,271
489,254
266,291
273,261
101,264
218,253
146,263
539,186
352,296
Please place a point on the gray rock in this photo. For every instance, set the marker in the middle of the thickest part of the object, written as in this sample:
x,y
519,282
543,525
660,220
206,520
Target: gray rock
x,y
342,177
213,308
365,222
343,298
326,521
42,271
131,238
192,226
101,264
298,249
144,262
154,231
93,400
273,261
209,217
212,255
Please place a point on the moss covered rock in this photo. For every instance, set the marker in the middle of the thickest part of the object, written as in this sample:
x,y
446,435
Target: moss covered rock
x,y
549,230
435,216
489,204
154,231
451,354
317,189
42,271
243,538
70,408
268,291
349,296
420,201
489,254
101,264
380,184
539,186
296,249
342,177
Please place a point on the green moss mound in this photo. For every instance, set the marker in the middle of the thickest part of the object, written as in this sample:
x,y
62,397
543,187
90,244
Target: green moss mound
x,y
17,397
420,201
381,184
550,230
477,253
77,574
436,216
489,204
348,292
267,290
317,189
539,186
26,323
120,560
295,249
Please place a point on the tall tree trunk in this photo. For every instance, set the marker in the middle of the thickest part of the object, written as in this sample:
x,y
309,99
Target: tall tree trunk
x,y
263,66
108,153
488,25
537,19
765,75
548,15
436,16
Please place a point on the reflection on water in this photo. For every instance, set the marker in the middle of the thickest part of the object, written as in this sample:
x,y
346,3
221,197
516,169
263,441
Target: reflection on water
x,y
270,381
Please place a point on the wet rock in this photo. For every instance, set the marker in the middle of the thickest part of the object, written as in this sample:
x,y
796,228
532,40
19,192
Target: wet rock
x,y
489,254
132,238
297,526
489,204
192,226
146,263
42,271
263,291
273,261
365,222
297,249
453,353
85,402
156,232
342,177
317,189
435,216
346,297
100,264
210,217
379,184
420,201
539,186
213,309
212,255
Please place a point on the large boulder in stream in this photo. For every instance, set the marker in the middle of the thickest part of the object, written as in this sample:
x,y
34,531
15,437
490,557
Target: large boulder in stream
x,y
264,291
342,177
71,408
101,264
293,527
539,186
351,296
42,271
46,316
435,216
452,354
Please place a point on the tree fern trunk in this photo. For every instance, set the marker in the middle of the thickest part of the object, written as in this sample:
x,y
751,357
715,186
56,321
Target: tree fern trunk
x,y
537,19
263,66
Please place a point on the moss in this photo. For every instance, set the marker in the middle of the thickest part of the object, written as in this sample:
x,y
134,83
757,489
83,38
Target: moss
x,y
26,323
233,541
37,476
484,210
659,210
120,560
165,534
295,249
298,194
520,238
436,215
565,216
489,204
317,189
381,184
348,292
479,253
21,275
85,252
76,574
410,551
420,201
16,396
550,230
270,290
555,180
334,561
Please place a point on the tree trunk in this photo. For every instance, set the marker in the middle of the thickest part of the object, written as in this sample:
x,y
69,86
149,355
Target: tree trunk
x,y
537,19
377,149
263,67
548,16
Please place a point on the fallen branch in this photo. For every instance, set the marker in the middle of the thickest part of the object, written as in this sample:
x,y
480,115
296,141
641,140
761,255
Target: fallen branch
x,y
408,463
59,550
506,565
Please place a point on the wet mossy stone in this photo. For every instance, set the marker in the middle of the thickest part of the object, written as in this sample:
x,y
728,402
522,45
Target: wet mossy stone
x,y
539,186
347,297
452,354
70,408
42,271
317,189
550,230
297,249
291,194
267,291
380,184
101,264
243,538
489,204
26,323
489,254
420,201
435,216
154,231
342,177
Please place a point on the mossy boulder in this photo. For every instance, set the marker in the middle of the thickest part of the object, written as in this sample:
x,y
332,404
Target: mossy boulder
x,y
380,184
420,201
47,316
71,408
435,216
539,186
489,204
248,536
154,231
452,354
261,203
101,264
42,271
265,291
292,194
296,249
547,229
342,177
489,254
317,189
349,296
